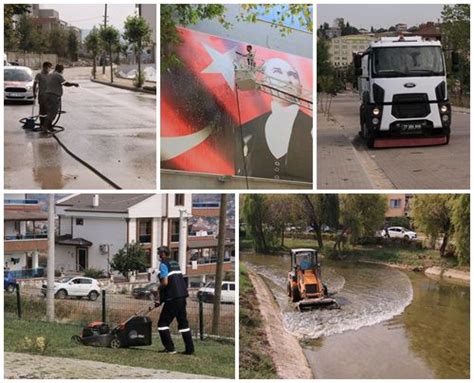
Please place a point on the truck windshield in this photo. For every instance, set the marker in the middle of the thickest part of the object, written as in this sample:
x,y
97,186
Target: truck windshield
x,y
412,61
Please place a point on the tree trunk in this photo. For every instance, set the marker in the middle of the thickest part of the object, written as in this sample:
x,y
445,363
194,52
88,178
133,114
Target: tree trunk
x,y
444,244
339,238
283,237
50,261
219,266
111,68
94,67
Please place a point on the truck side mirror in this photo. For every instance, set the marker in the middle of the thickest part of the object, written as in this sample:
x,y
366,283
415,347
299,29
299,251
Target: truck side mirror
x,y
455,61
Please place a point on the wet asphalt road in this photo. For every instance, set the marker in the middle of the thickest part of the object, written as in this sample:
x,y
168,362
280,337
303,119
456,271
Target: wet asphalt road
x,y
435,167
112,129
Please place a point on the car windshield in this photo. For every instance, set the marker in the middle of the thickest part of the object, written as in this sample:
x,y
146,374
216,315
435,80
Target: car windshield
x,y
18,75
150,286
304,260
210,284
408,62
65,279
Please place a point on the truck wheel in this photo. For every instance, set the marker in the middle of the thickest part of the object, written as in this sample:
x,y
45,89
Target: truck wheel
x,y
61,294
296,294
368,136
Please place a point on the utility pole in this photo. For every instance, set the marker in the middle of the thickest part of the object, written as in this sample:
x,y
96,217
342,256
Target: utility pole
x,y
216,313
50,265
103,53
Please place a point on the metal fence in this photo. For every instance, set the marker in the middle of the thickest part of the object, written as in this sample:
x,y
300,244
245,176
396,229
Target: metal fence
x,y
30,303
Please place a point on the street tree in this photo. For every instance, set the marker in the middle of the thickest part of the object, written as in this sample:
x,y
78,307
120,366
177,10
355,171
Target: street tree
x,y
138,33
431,215
254,212
92,43
280,211
10,36
460,210
29,39
173,15
57,41
110,39
129,259
72,45
360,215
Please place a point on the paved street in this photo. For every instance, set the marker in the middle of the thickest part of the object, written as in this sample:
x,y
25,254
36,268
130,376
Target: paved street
x,y
344,162
112,129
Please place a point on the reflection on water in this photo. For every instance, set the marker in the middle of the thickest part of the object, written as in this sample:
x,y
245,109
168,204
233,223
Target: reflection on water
x,y
392,324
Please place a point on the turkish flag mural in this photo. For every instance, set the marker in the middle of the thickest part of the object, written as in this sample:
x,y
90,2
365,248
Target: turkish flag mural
x,y
208,125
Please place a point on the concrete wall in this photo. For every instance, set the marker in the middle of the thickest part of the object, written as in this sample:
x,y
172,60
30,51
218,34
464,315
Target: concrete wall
x,y
32,60
173,210
149,208
259,33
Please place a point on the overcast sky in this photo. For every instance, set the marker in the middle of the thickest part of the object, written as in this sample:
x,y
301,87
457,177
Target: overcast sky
x,y
85,16
378,16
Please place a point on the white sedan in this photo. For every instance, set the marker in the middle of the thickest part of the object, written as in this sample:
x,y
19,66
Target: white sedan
x,y
18,83
207,292
75,286
399,232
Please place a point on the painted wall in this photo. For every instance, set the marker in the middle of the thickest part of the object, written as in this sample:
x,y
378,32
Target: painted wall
x,y
206,121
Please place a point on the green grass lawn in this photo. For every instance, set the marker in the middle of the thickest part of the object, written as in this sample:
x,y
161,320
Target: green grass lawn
x,y
215,358
254,359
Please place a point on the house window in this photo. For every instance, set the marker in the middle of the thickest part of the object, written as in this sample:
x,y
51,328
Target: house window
x,y
144,230
395,203
175,230
79,221
179,200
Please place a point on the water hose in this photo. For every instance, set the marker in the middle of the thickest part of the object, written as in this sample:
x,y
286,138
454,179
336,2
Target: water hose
x,y
30,123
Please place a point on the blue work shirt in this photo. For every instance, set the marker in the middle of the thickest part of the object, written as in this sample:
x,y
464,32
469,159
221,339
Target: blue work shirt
x,y
163,270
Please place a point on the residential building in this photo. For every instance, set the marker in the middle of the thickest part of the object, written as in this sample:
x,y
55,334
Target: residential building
x,y
429,31
93,227
398,205
401,27
25,235
342,48
47,19
332,32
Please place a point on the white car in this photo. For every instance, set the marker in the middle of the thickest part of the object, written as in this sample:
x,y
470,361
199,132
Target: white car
x,y
399,232
18,83
75,286
207,292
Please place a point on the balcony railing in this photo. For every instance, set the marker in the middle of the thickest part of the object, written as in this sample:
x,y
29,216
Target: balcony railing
x,y
25,237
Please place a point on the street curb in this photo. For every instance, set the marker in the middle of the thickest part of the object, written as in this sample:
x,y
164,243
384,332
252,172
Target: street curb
x,y
133,89
461,109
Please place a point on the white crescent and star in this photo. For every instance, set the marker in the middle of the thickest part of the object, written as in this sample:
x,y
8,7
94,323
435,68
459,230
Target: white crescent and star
x,y
223,64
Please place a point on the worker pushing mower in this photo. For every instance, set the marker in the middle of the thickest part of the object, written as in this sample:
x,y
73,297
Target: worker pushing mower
x,y
305,286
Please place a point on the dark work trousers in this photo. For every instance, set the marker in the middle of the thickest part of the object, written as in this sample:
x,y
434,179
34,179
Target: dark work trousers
x,y
42,108
53,104
175,308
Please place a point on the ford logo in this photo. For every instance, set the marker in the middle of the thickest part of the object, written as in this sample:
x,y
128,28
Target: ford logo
x,y
409,85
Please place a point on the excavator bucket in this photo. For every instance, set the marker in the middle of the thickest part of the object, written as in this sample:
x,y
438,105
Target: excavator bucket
x,y
317,303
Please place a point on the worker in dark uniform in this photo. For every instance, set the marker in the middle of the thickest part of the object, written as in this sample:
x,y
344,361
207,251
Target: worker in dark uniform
x,y
54,92
173,293
39,89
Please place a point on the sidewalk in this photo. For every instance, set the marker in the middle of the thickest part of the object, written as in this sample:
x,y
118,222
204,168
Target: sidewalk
x,y
31,366
338,164
123,83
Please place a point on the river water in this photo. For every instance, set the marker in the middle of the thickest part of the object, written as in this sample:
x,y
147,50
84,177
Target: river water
x,y
392,324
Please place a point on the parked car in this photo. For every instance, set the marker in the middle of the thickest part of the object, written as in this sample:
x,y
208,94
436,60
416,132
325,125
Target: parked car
x,y
150,291
9,281
207,292
75,286
18,83
399,232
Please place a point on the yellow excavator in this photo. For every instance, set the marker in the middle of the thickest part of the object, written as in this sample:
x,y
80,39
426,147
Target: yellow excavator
x,y
305,286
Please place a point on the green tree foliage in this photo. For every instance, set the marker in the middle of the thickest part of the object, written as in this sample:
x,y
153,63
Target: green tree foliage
x,y
280,212
460,210
360,215
29,39
254,212
10,36
172,15
432,215
138,33
92,44
72,45
57,41
110,40
130,258
456,27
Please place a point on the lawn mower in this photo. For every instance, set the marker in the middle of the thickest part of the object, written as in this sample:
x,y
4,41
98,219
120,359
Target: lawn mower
x,y
305,286
134,331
